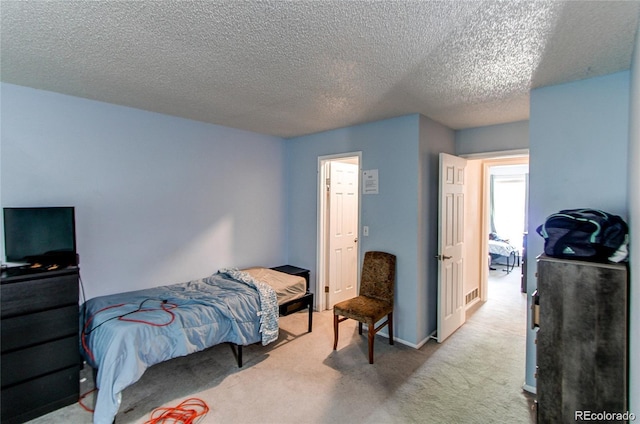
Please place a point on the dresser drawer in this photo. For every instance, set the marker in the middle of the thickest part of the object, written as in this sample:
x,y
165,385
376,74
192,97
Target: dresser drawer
x,y
21,365
38,294
28,330
33,398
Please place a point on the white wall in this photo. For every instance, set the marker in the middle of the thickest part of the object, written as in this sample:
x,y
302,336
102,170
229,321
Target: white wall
x,y
158,199
579,137
473,239
634,223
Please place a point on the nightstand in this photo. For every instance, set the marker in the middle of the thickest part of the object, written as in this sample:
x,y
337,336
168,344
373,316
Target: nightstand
x,y
295,305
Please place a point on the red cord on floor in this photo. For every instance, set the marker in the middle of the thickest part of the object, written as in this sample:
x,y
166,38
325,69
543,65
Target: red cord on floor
x,y
188,412
80,401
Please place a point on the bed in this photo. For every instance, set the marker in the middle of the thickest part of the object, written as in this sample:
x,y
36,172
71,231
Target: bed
x,y
124,334
502,249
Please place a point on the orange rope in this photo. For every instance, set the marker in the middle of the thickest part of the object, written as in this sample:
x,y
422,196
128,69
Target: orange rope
x,y
186,413
83,336
164,306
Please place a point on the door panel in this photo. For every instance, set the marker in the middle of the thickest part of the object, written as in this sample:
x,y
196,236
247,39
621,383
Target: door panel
x,y
343,232
451,313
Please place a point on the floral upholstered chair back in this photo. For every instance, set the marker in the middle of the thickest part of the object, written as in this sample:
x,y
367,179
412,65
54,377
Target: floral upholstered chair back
x,y
378,276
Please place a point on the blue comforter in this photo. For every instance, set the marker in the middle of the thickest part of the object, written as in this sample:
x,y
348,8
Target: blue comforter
x,y
124,334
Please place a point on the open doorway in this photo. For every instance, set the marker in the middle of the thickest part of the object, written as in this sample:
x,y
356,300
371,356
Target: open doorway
x,y
507,215
500,214
338,217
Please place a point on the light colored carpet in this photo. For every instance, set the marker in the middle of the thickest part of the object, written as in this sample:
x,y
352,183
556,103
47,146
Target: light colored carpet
x,y
475,376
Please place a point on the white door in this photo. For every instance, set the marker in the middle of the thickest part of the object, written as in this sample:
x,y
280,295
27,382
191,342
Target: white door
x,y
451,312
343,232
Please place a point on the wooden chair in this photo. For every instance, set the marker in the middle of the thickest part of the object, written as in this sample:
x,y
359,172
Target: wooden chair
x,y
375,299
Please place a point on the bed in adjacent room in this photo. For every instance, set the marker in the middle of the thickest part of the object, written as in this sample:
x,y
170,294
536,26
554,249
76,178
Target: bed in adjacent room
x,y
502,250
124,334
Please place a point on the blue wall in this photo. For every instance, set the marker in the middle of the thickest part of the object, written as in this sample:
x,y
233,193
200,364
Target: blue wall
x,y
162,199
579,136
401,218
391,146
493,138
434,139
158,199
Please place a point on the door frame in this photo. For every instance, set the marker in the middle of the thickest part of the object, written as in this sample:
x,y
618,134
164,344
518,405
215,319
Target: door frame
x,y
487,164
322,218
489,159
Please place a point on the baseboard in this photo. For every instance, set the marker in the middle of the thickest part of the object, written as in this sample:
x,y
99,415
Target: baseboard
x,y
530,389
404,342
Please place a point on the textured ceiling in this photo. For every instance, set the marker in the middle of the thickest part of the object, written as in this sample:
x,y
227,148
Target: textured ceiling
x,y
290,68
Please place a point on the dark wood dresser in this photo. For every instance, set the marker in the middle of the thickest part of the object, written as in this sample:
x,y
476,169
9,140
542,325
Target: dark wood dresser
x,y
40,361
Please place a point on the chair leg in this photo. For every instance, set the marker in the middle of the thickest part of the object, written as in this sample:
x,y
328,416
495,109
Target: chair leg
x,y
390,325
335,331
371,336
359,328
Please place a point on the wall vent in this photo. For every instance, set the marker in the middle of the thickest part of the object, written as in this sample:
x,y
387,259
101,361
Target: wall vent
x,y
471,296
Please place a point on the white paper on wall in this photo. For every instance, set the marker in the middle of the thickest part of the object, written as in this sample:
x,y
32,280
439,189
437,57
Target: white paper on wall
x,y
370,181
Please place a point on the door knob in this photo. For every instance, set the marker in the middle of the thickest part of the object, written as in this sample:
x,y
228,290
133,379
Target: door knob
x,y
442,257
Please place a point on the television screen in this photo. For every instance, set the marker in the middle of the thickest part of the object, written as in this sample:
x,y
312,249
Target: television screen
x,y
43,235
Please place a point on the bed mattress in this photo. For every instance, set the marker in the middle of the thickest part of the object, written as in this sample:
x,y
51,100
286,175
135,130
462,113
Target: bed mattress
x,y
501,248
287,287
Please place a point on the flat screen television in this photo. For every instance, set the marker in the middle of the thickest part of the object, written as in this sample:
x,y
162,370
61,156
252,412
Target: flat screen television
x,y
40,235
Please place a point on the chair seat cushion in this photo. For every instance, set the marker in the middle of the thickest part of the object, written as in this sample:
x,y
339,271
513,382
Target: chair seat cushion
x,y
363,309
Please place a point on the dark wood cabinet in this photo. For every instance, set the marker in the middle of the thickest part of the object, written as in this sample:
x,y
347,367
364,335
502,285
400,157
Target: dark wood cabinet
x,y
581,339
40,361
